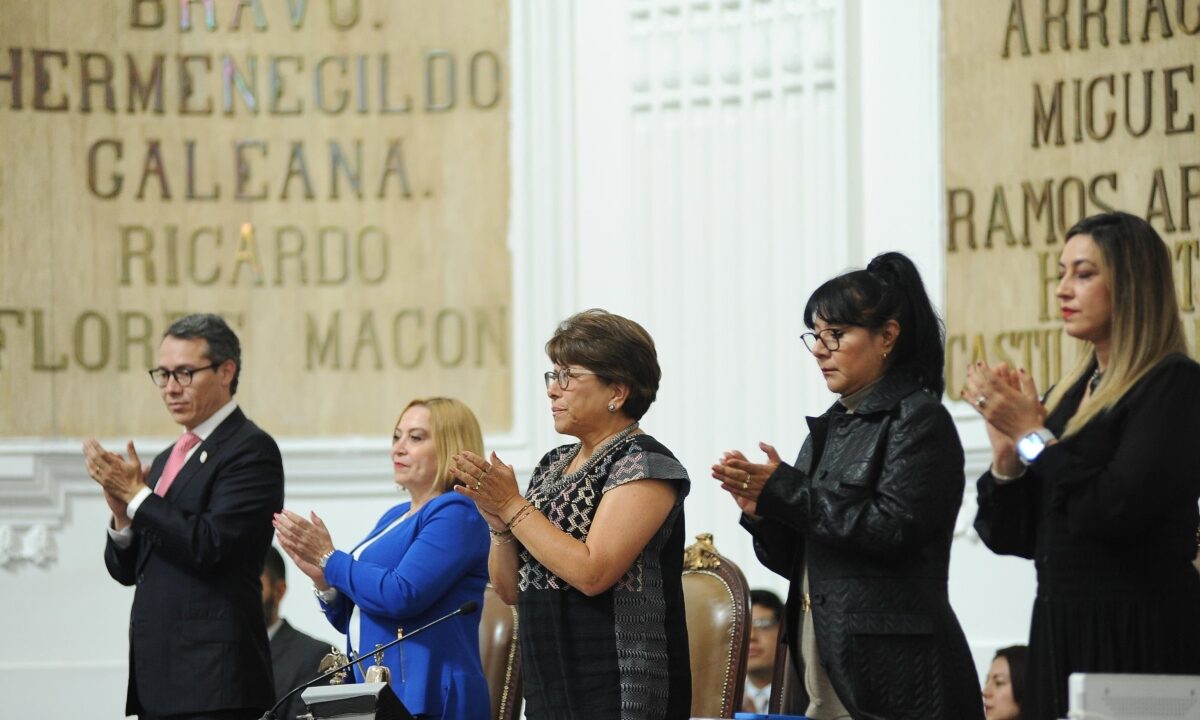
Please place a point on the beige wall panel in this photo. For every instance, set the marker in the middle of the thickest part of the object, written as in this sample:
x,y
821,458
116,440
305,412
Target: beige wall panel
x,y
350,296
1013,77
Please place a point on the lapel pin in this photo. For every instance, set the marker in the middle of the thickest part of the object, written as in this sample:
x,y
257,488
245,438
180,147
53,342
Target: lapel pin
x,y
203,456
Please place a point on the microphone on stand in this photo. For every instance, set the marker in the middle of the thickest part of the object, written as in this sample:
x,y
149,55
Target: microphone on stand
x,y
466,608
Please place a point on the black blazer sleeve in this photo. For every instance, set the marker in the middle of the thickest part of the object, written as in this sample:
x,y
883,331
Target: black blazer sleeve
x,y
122,562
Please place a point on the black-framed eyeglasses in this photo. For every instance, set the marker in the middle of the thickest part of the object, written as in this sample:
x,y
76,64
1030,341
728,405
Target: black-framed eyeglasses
x,y
563,376
831,338
161,376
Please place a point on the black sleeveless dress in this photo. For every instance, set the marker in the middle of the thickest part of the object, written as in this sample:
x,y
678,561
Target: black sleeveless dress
x,y
622,654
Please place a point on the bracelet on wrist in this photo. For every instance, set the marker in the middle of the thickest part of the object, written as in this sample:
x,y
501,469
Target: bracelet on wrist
x,y
327,595
508,525
523,513
324,559
502,538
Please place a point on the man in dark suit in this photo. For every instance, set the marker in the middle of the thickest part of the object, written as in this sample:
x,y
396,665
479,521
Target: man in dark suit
x,y
191,533
295,656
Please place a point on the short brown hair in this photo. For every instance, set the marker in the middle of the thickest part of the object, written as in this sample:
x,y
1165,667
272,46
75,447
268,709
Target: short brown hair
x,y
616,348
454,429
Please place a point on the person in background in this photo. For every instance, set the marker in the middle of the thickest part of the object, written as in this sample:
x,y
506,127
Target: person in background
x,y
1099,484
861,524
295,657
766,610
1005,684
191,534
592,555
423,560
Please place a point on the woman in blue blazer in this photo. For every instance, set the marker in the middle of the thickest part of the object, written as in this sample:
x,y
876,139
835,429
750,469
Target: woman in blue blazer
x,y
423,560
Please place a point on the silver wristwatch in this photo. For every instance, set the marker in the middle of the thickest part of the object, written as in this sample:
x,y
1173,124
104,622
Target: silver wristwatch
x,y
1032,445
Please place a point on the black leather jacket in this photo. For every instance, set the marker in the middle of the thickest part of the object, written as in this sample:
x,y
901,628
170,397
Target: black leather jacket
x,y
870,508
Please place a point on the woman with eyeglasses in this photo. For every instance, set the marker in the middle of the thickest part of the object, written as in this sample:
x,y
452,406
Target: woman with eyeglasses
x,y
592,554
862,522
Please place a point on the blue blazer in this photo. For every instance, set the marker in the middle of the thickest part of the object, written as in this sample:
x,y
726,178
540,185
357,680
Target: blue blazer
x,y
421,570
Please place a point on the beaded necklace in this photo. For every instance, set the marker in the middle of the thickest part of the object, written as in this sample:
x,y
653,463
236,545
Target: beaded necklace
x,y
556,471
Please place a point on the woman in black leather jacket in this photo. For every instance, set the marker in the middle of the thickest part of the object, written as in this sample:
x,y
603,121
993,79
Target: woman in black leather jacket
x,y
862,523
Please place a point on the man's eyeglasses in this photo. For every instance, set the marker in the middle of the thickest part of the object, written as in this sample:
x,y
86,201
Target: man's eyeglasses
x,y
563,376
183,376
763,623
831,338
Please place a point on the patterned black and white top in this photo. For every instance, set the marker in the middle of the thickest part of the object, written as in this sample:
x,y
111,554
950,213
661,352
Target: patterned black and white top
x,y
623,653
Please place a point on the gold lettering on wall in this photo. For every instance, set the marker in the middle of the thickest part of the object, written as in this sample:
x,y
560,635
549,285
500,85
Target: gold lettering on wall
x,y
329,175
1089,107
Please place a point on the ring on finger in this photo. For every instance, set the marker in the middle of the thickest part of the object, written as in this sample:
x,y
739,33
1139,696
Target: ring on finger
x,y
980,401
475,487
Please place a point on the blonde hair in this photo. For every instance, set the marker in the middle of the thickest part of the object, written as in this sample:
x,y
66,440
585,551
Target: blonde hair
x,y
454,429
1146,326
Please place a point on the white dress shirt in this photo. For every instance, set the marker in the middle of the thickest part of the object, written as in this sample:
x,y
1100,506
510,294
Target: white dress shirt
x,y
758,697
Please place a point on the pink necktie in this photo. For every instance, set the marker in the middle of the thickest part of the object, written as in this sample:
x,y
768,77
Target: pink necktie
x,y
186,442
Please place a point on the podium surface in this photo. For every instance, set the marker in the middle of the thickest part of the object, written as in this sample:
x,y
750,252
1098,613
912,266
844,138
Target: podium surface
x,y
361,701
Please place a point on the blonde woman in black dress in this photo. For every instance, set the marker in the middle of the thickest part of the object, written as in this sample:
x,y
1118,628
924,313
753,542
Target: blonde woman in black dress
x,y
1099,485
